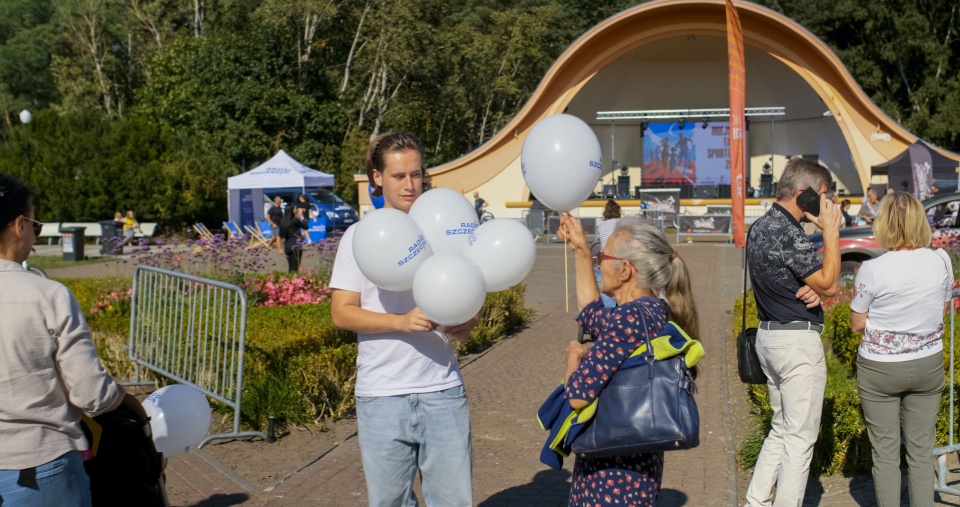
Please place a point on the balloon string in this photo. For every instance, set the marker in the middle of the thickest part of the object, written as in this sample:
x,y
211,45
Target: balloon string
x,y
566,274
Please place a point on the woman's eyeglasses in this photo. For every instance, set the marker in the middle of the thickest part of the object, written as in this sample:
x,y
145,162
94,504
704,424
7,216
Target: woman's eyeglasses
x,y
601,256
37,226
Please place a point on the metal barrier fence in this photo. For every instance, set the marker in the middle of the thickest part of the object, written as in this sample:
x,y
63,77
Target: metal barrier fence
x,y
191,330
940,453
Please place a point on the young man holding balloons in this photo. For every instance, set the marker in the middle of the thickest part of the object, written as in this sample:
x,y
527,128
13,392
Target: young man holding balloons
x,y
412,409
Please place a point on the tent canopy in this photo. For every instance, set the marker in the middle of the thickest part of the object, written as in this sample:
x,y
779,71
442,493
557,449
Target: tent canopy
x,y
281,171
943,167
917,168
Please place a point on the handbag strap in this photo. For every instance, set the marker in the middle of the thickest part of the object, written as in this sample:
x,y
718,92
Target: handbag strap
x,y
746,266
646,335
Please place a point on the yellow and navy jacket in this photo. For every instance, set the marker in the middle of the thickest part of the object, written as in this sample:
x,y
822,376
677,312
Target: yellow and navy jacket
x,y
565,424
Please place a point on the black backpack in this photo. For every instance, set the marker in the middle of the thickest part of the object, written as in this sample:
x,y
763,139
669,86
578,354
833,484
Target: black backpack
x,y
126,468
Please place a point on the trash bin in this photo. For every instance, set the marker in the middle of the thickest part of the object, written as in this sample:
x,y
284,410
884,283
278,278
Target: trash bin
x,y
111,242
71,240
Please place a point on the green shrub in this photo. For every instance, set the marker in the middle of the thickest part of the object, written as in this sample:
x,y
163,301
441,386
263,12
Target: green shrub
x,y
843,341
294,366
503,312
90,290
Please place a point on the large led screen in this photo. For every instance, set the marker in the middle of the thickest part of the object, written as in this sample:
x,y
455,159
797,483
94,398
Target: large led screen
x,y
689,156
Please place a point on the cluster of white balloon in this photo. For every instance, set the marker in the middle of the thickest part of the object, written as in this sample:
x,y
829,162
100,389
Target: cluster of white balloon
x,y
440,252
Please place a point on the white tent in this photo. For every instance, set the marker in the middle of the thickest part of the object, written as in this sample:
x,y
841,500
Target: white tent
x,y
245,191
281,171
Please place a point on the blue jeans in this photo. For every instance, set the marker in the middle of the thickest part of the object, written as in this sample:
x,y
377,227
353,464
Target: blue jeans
x,y
607,300
429,431
61,482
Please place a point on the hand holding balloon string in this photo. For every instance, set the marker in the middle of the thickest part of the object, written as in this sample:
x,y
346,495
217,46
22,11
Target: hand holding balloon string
x,y
415,320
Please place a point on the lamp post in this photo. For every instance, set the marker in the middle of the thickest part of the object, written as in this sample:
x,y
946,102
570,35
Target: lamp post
x,y
25,118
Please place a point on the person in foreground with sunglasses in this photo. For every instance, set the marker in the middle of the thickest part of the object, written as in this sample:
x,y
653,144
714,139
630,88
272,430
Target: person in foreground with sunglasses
x,y
49,372
651,286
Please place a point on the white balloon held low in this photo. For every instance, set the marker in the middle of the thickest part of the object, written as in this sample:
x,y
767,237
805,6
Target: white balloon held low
x,y
449,289
389,247
504,251
446,218
561,161
179,418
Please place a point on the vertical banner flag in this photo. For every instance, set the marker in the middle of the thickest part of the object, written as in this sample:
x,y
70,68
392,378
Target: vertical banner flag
x,y
738,95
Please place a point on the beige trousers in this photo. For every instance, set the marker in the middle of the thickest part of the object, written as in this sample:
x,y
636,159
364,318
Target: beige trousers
x,y
796,376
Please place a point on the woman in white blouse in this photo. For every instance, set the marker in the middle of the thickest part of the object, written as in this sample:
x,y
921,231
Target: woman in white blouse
x,y
899,304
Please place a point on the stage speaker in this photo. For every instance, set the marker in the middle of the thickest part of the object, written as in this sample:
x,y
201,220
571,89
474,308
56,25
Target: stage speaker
x,y
706,191
766,185
609,191
623,187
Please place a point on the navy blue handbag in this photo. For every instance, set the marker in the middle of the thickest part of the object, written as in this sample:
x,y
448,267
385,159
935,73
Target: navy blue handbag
x,y
648,406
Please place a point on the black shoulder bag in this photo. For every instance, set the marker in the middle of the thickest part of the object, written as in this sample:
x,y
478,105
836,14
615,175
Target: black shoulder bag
x,y
748,364
648,406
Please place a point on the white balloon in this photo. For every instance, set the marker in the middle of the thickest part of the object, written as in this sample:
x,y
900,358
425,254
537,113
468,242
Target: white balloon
x,y
179,418
504,251
446,218
449,289
561,161
389,247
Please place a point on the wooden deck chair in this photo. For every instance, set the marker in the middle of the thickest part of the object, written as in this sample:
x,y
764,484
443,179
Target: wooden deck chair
x,y
257,238
233,231
202,230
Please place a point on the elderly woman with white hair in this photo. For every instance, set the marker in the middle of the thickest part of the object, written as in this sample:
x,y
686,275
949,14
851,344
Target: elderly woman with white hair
x,y
651,286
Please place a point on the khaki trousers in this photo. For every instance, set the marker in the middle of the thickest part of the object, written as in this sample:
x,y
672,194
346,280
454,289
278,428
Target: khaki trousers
x,y
796,377
895,395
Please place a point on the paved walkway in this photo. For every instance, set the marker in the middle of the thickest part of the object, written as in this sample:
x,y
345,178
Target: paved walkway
x,y
506,385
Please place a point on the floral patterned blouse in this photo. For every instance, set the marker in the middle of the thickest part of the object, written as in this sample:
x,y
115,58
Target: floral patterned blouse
x,y
632,480
903,292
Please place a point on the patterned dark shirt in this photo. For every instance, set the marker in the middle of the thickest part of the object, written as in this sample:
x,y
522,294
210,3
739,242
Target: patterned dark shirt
x,y
631,480
780,257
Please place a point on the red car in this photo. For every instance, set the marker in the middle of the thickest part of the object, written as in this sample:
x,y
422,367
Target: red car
x,y
858,244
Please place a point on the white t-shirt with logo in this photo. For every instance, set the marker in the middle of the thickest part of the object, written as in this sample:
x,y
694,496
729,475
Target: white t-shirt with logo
x,y
903,293
394,362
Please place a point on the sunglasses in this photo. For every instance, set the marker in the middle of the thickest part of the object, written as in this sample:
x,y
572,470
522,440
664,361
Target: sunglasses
x,y
601,256
37,226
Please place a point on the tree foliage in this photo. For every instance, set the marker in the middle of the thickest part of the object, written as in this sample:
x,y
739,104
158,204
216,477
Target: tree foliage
x,y
152,104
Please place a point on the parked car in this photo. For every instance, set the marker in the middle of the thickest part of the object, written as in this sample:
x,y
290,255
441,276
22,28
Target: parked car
x,y
858,244
328,212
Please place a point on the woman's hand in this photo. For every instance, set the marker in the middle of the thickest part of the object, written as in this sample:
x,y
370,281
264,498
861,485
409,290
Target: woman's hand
x,y
571,231
415,320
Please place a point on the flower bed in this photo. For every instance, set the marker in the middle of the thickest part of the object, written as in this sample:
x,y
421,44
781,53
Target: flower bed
x,y
299,367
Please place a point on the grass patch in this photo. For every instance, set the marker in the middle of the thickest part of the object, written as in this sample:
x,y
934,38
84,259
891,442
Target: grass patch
x,y
47,262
